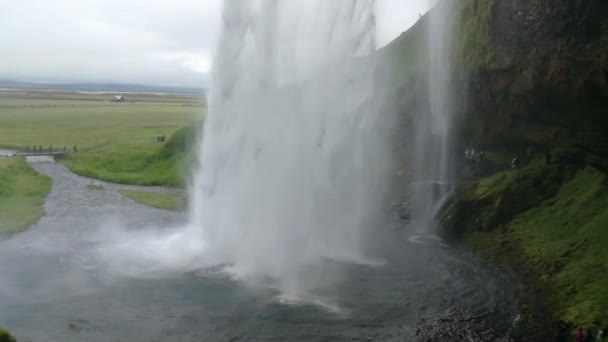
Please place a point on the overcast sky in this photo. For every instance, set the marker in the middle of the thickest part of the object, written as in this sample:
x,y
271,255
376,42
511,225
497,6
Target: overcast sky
x,y
159,42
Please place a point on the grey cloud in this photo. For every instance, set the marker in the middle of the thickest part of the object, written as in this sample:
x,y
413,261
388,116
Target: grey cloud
x,y
139,41
156,42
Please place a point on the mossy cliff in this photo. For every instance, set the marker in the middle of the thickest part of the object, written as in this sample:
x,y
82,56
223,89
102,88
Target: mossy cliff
x,y
535,78
534,73
527,73
550,222
530,76
5,336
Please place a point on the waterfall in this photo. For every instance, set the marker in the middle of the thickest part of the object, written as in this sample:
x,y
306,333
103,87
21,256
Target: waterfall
x,y
434,150
293,162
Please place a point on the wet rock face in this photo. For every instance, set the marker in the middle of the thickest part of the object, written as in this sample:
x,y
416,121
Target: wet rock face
x,y
552,26
546,82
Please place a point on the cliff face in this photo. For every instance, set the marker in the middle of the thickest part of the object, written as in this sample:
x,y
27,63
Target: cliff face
x,y
530,76
540,77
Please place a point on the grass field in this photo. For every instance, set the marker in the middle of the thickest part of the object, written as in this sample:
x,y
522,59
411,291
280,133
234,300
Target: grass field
x,y
141,164
156,199
22,193
147,163
89,121
116,141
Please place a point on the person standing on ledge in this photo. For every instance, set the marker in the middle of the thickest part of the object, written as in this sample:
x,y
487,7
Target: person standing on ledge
x,y
515,163
479,158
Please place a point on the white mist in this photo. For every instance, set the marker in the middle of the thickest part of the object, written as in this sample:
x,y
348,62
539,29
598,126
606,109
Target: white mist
x,y
293,159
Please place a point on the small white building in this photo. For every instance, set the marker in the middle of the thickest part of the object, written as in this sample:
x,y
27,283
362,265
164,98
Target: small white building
x,y
118,98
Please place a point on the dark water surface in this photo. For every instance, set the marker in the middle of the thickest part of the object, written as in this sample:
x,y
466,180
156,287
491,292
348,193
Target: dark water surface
x,y
52,289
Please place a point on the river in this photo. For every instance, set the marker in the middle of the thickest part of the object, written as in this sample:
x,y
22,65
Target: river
x,y
54,288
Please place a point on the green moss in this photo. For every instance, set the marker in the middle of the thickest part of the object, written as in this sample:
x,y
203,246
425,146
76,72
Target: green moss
x,y
22,193
553,221
494,184
156,199
473,43
566,239
5,336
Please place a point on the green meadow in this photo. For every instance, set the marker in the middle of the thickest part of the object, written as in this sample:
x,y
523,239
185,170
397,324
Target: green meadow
x,y
116,141
89,124
22,193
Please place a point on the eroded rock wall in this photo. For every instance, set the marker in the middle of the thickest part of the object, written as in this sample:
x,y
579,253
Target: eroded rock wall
x,y
543,80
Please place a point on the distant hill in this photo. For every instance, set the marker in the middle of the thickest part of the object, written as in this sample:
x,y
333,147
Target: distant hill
x,y
105,87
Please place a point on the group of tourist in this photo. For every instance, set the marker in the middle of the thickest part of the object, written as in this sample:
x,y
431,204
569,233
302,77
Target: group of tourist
x,y
473,157
40,149
580,334
588,335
